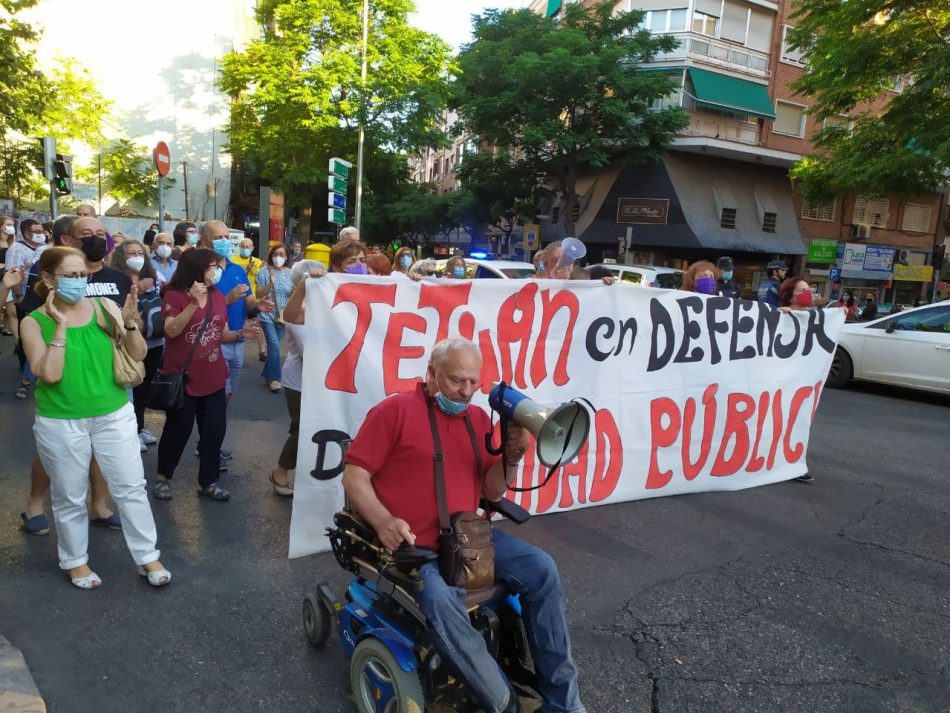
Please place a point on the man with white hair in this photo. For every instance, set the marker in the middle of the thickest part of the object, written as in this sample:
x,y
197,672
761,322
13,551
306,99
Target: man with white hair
x,y
389,486
349,233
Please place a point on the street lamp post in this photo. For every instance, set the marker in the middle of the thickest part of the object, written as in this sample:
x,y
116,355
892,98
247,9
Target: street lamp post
x,y
358,218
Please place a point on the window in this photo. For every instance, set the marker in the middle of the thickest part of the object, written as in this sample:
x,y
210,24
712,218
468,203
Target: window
x,y
660,21
789,55
873,213
818,211
705,24
789,119
844,122
935,319
728,219
768,222
916,218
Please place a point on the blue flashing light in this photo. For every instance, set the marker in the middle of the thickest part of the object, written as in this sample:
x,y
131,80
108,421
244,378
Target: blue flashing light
x,y
478,254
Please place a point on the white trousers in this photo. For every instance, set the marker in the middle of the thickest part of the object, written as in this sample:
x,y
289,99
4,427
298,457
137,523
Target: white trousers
x,y
65,447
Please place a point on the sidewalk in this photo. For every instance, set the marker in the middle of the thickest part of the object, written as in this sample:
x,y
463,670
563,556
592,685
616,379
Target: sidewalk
x,y
18,693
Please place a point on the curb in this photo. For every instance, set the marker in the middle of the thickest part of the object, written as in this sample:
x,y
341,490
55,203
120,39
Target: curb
x,y
18,692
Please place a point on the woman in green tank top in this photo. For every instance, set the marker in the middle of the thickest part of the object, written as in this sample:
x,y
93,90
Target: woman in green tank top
x,y
81,412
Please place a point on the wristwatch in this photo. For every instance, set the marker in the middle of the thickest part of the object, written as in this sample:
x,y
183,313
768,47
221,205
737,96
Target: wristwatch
x,y
131,326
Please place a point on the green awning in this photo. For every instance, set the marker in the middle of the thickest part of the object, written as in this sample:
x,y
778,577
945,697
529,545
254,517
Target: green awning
x,y
553,7
736,96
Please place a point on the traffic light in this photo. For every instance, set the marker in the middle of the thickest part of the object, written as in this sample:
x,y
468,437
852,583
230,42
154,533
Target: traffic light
x,y
63,180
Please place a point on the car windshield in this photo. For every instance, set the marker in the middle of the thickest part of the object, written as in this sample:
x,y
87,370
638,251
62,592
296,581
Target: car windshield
x,y
517,273
634,278
668,280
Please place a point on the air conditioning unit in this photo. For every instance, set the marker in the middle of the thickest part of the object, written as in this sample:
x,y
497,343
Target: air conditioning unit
x,y
860,231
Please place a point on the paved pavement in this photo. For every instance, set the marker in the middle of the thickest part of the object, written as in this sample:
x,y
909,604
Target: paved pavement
x,y
793,597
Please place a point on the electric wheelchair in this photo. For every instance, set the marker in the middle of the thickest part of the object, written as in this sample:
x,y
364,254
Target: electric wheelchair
x,y
394,667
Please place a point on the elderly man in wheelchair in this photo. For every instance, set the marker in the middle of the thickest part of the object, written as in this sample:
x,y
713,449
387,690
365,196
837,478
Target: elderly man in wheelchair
x,y
415,457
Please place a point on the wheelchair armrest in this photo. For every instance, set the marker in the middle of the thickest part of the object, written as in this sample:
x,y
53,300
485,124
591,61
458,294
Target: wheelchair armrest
x,y
508,509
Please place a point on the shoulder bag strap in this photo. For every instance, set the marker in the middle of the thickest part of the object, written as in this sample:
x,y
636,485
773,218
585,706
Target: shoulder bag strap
x,y
471,435
437,461
107,324
201,329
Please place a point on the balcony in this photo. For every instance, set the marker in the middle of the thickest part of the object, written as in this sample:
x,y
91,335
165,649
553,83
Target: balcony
x,y
717,53
719,127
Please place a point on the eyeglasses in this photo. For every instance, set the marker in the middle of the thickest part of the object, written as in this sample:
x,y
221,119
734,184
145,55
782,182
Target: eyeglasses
x,y
82,273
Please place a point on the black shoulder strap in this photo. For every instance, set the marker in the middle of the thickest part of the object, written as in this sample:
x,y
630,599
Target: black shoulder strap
x,y
437,460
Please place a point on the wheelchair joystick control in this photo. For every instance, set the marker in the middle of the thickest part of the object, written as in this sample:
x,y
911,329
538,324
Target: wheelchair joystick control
x,y
407,558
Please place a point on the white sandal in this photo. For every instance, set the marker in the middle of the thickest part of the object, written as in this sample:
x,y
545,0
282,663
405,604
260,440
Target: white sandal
x,y
158,577
90,581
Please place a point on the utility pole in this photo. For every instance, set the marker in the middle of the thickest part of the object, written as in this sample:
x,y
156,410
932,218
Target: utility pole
x,y
99,192
184,168
359,148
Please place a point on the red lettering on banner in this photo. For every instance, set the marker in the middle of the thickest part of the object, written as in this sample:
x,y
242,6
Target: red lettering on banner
x,y
550,306
814,406
739,409
489,374
341,376
776,428
793,454
690,469
513,330
756,461
662,437
603,480
444,299
394,351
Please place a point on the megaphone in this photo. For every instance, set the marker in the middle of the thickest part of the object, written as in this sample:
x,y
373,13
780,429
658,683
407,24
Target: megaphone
x,y
574,249
560,432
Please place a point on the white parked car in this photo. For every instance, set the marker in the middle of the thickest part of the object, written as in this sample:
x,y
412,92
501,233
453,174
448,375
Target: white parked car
x,y
910,348
492,269
645,275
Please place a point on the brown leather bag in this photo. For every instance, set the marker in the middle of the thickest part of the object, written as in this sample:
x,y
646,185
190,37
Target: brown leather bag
x,y
466,551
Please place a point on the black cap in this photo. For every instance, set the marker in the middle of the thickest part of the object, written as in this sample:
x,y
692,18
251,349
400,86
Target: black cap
x,y
724,263
777,265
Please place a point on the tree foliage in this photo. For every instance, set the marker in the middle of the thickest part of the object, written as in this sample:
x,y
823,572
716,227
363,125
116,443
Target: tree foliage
x,y
855,51
296,92
127,173
554,96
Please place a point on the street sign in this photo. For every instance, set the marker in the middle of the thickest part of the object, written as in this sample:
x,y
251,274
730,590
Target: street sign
x,y
336,184
531,233
336,216
49,157
336,200
339,167
822,250
834,273
162,158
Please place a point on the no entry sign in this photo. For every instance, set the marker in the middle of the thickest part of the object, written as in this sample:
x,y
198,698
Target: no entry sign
x,y
162,158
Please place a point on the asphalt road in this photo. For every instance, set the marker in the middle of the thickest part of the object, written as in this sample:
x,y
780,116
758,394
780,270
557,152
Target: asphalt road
x,y
830,596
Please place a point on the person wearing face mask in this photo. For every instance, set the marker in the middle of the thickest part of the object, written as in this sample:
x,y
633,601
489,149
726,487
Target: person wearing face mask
x,y
81,411
185,236
21,256
727,287
162,260
274,282
7,238
402,261
131,257
196,329
776,272
455,268
251,266
104,281
296,253
348,256
700,277
849,304
386,482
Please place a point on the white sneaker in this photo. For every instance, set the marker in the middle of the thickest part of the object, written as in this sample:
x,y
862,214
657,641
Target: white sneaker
x,y
147,438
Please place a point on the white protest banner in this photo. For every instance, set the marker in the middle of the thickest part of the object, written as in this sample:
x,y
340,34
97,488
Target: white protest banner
x,y
691,393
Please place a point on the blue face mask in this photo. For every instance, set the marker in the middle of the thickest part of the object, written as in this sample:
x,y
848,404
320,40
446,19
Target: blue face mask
x,y
216,275
405,261
448,406
222,247
727,275
245,252
458,271
71,289
357,269
192,238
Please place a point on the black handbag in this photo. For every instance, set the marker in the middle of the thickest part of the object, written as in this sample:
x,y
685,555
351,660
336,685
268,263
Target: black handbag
x,y
466,550
167,390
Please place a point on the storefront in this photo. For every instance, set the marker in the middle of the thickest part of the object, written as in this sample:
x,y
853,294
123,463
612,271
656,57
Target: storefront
x,y
822,254
911,283
863,270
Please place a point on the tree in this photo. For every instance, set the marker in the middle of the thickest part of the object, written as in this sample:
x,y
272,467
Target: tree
x,y
855,51
23,84
555,95
127,173
296,93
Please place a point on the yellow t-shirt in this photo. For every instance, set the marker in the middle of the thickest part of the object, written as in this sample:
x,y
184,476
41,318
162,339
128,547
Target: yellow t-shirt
x,y
255,266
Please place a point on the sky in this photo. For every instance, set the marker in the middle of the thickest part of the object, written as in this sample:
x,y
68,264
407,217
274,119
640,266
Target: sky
x,y
451,19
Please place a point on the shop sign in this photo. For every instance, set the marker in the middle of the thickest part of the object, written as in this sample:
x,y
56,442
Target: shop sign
x,y
643,210
913,273
867,262
822,250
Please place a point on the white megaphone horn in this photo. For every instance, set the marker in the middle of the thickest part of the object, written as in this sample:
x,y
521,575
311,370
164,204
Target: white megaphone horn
x,y
574,250
560,432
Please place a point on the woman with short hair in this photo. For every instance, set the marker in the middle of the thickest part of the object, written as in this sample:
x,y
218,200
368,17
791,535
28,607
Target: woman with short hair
x,y
81,412
701,277
455,268
273,279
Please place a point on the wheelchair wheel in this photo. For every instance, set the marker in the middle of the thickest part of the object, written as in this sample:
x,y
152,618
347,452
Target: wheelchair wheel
x,y
379,683
316,619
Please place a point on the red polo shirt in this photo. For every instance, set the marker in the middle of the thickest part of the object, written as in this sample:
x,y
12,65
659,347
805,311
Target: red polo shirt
x,y
395,445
